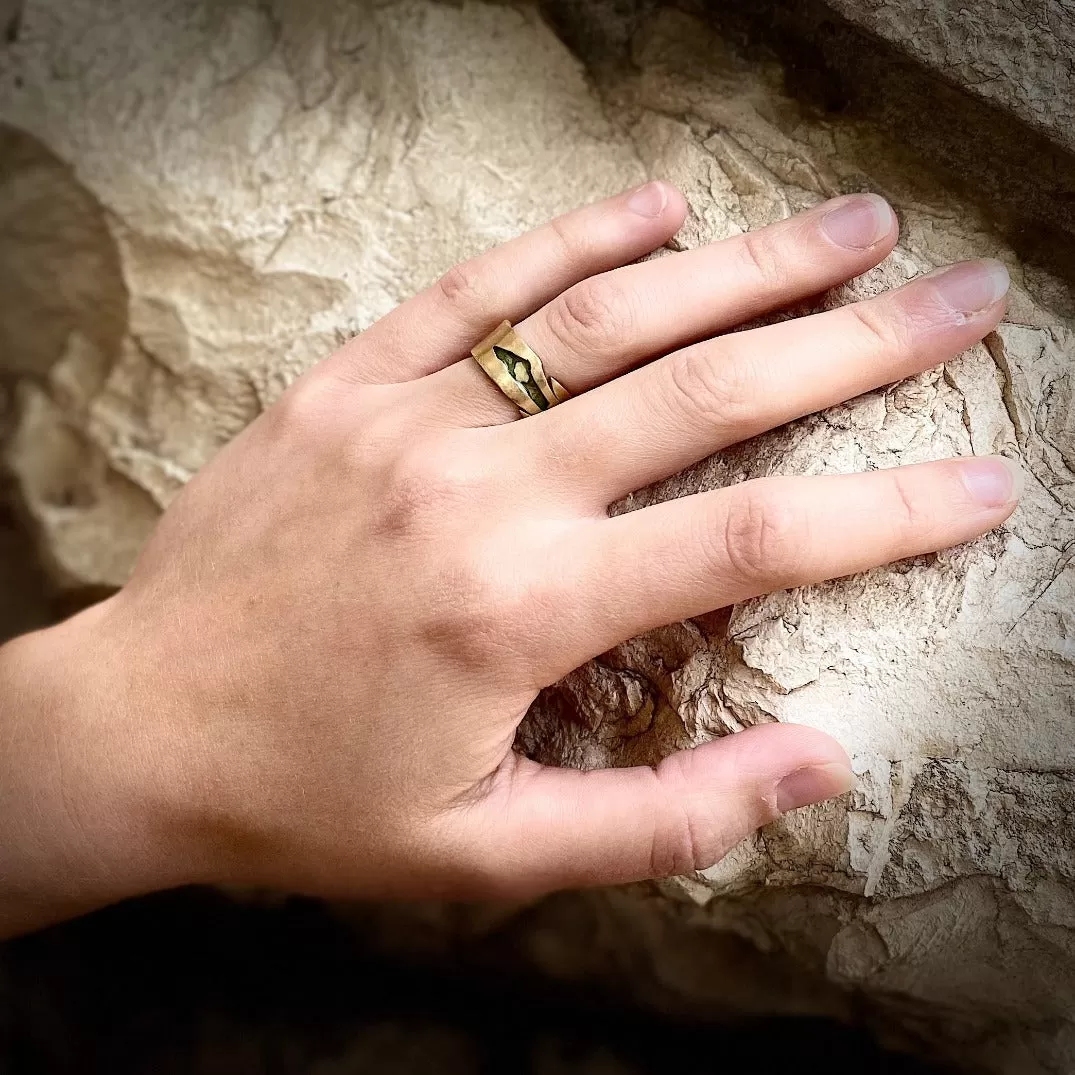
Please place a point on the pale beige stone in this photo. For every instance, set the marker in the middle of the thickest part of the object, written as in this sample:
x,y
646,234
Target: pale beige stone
x,y
229,190
1018,55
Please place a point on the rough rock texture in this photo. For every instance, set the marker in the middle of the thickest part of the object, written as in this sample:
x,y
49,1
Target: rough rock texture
x,y
197,200
1018,54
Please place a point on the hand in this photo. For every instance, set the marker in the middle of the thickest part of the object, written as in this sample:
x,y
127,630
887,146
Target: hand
x,y
315,674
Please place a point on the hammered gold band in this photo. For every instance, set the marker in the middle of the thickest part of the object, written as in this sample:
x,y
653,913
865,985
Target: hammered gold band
x,y
517,371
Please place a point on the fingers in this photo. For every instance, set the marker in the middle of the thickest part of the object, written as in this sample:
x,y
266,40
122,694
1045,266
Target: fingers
x,y
610,323
688,556
665,416
563,828
441,324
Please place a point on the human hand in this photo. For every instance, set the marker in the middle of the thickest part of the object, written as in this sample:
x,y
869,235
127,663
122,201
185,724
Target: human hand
x,y
314,677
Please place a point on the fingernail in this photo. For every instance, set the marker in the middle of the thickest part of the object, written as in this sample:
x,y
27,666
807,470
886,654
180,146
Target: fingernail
x,y
972,286
858,222
993,481
813,784
649,200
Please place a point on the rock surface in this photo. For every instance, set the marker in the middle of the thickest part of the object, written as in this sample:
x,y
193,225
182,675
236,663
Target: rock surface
x,y
1018,54
198,200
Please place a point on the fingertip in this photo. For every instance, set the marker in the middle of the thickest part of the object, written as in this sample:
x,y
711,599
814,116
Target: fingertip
x,y
971,289
993,481
760,756
676,209
814,784
798,766
776,748
658,200
751,778
860,223
894,228
649,200
999,273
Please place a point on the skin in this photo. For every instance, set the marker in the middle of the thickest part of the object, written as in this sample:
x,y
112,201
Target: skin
x,y
313,678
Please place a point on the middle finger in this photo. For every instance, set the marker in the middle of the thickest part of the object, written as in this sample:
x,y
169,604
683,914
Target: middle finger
x,y
663,417
613,321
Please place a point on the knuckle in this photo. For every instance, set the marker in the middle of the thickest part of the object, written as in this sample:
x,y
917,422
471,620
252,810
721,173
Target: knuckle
x,y
565,236
592,315
462,287
320,401
883,324
681,844
762,260
674,849
691,833
765,538
308,404
911,515
714,391
473,617
424,485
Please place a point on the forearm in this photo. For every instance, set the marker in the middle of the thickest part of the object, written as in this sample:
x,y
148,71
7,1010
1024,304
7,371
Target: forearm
x,y
83,821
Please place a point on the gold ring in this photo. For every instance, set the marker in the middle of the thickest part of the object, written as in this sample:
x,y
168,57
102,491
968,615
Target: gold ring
x,y
517,371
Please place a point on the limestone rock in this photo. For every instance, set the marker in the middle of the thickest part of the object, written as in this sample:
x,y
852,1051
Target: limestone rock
x,y
1016,54
199,200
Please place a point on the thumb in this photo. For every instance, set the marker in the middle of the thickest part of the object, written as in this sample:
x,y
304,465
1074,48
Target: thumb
x,y
567,828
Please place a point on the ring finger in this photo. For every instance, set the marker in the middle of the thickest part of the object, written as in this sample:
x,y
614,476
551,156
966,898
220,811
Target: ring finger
x,y
612,322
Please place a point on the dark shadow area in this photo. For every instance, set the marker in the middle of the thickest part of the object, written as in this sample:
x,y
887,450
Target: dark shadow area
x,y
61,291
194,981
26,595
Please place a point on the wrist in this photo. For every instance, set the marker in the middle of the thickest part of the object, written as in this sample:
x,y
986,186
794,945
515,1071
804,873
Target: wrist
x,y
90,790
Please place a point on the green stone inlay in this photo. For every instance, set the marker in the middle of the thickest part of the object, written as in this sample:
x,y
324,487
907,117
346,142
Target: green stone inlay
x,y
519,370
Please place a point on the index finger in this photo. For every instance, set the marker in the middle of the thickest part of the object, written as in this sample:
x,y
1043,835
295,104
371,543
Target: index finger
x,y
509,282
